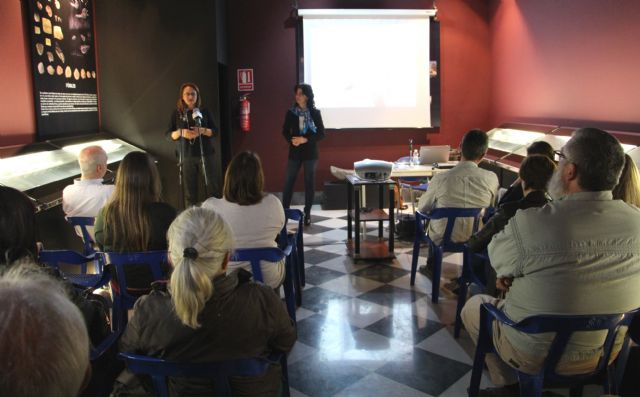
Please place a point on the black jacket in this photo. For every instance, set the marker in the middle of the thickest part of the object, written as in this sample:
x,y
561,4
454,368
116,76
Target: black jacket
x,y
192,146
290,128
479,241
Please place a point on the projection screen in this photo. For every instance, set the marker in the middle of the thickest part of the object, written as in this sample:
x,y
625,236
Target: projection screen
x,y
368,68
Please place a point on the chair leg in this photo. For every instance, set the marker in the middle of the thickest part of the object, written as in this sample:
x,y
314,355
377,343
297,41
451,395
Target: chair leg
x,y
530,386
289,293
414,260
437,270
300,251
476,373
462,297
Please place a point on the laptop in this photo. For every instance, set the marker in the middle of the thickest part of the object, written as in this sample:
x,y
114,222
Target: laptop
x,y
434,154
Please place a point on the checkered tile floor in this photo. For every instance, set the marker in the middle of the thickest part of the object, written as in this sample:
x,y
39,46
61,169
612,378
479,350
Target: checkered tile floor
x,y
363,331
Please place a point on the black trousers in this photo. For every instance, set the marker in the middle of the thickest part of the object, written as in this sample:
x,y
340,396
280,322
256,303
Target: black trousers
x,y
293,166
192,172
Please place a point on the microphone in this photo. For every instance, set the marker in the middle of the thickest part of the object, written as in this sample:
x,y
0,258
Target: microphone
x,y
197,117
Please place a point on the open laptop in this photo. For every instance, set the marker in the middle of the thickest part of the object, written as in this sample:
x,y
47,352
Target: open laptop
x,y
434,154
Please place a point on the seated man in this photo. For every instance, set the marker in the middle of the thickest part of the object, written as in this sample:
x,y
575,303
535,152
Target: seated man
x,y
576,255
464,186
43,339
87,195
535,173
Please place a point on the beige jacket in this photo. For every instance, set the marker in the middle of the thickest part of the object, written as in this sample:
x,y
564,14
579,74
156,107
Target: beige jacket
x,y
464,186
580,255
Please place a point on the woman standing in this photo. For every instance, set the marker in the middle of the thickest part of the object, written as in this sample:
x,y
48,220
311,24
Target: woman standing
x,y
192,128
302,128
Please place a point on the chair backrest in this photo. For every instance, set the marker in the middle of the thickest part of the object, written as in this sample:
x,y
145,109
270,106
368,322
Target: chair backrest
x,y
122,299
450,214
291,214
220,371
54,258
83,222
564,326
255,255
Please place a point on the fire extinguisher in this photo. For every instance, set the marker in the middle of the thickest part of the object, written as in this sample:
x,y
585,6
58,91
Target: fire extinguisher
x,y
245,112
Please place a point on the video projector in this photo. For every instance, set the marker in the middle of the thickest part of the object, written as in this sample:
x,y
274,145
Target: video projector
x,y
373,170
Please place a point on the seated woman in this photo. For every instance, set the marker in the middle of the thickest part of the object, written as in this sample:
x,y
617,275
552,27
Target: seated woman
x,y
255,218
134,219
535,173
628,187
515,192
207,315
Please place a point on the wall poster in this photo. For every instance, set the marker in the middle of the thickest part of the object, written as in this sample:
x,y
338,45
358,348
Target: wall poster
x,y
64,66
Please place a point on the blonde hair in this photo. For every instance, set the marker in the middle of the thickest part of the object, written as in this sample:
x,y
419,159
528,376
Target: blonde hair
x,y
628,187
125,215
43,337
199,240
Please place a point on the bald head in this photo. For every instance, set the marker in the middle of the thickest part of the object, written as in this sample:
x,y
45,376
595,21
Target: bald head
x,y
43,338
93,162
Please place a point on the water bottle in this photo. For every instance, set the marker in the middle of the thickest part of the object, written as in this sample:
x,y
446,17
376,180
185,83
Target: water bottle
x,y
410,151
416,157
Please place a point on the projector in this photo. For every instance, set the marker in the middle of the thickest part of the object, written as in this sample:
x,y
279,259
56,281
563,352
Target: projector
x,y
373,170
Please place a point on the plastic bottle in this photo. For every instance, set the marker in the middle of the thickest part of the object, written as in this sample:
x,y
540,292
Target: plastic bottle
x,y
416,157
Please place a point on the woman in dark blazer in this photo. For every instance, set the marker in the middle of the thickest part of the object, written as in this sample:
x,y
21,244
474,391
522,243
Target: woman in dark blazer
x,y
302,129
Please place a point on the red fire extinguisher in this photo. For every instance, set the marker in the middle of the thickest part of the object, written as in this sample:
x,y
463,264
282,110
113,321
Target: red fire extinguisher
x,y
245,112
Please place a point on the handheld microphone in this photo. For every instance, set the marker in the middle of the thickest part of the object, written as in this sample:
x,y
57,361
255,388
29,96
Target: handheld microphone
x,y
197,117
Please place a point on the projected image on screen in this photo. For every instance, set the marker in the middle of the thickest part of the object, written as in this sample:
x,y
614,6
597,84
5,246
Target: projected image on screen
x,y
368,70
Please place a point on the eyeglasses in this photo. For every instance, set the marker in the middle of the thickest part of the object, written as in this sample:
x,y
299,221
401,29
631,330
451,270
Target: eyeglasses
x,y
559,155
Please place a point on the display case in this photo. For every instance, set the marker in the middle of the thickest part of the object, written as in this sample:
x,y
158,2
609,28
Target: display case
x,y
43,170
508,145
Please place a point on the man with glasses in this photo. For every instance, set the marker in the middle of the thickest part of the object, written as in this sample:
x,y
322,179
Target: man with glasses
x,y
579,254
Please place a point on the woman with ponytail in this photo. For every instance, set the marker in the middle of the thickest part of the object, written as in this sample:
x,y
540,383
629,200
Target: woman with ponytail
x,y
207,315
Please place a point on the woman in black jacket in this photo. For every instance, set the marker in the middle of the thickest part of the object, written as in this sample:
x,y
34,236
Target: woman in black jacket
x,y
302,128
193,129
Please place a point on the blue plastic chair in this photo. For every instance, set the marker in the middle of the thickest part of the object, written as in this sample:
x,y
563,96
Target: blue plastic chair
x,y
563,327
123,300
83,222
219,372
272,254
437,250
467,278
54,258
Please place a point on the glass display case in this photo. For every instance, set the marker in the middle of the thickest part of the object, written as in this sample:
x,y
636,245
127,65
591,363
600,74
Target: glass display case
x,y
43,173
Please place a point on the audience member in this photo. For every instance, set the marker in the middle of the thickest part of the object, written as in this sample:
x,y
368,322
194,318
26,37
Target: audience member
x,y
87,195
43,340
207,315
464,186
576,255
628,187
135,218
515,191
18,249
255,218
17,226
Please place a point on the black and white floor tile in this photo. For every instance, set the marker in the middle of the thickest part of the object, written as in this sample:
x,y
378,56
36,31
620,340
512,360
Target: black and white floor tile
x,y
364,331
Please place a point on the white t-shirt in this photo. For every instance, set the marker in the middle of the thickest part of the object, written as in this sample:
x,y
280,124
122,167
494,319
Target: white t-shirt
x,y
254,226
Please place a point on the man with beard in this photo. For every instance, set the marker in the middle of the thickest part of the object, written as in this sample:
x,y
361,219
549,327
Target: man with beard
x,y
579,254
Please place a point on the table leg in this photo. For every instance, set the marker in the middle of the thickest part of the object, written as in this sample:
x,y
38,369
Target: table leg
x,y
349,207
392,222
356,248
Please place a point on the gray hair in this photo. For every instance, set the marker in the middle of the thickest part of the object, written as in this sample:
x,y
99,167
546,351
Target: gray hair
x,y
598,157
43,338
90,158
208,238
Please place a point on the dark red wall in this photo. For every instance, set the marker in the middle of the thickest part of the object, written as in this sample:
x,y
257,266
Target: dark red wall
x,y
559,61
17,116
261,37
